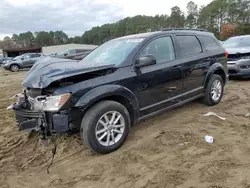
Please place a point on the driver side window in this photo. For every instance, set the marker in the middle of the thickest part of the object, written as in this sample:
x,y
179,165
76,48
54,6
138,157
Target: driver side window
x,y
161,48
71,52
26,57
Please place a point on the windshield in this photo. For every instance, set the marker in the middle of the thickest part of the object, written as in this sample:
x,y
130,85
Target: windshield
x,y
237,42
17,57
112,52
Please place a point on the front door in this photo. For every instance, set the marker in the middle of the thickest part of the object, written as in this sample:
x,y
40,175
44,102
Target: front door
x,y
26,60
158,86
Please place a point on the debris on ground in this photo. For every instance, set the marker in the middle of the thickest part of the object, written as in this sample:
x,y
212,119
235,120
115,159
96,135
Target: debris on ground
x,y
214,114
209,139
247,115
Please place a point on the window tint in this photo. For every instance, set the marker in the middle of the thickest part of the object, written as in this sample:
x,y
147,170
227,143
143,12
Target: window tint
x,y
35,55
112,52
161,48
189,45
71,52
209,43
26,56
80,51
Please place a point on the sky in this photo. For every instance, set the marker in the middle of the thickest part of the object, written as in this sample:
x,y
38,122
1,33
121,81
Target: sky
x,y
76,16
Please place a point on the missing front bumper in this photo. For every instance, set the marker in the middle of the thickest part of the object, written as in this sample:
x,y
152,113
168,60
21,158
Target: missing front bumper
x,y
27,120
30,120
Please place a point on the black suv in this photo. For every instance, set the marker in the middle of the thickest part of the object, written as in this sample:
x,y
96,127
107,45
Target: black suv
x,y
120,83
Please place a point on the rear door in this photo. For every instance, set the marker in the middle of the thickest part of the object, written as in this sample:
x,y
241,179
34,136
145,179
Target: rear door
x,y
194,63
157,86
34,58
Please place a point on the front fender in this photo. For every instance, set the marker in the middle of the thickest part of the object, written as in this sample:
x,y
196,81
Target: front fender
x,y
216,67
104,91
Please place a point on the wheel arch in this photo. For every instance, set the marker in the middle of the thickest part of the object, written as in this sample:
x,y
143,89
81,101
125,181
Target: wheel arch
x,y
111,92
14,64
216,68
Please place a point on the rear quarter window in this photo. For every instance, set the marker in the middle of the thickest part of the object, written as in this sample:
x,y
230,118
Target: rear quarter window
x,y
189,45
209,43
35,55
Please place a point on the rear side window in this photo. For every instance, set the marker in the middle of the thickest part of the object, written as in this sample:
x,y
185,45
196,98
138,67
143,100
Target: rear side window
x,y
189,45
209,43
35,55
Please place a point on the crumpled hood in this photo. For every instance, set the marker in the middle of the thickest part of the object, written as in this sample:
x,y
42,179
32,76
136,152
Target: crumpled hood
x,y
238,50
49,69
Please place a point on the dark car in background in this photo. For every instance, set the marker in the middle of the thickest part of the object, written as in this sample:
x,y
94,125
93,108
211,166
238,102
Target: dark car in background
x,y
122,82
72,53
24,61
238,49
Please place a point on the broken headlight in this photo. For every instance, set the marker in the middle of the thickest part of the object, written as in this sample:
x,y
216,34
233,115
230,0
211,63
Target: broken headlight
x,y
51,103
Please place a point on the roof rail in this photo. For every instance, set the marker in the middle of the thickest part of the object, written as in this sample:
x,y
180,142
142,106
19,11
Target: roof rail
x,y
188,29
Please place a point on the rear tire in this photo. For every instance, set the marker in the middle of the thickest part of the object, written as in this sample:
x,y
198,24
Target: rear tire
x,y
105,126
14,68
214,91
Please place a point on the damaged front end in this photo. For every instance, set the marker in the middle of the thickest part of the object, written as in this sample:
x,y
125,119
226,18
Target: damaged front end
x,y
41,113
41,108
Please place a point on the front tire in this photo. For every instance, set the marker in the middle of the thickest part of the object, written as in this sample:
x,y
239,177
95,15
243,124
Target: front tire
x,y
14,68
214,91
105,126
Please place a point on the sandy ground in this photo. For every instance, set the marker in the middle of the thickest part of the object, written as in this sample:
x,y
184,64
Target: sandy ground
x,y
166,151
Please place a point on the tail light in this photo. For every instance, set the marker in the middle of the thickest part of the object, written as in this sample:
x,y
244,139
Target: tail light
x,y
226,53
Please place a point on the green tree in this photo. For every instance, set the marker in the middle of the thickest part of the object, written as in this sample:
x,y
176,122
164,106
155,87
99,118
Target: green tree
x,y
177,18
59,37
192,15
212,17
44,38
76,40
7,43
15,38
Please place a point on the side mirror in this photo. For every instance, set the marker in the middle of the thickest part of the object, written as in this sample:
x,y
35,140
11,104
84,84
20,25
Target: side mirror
x,y
65,54
145,61
22,58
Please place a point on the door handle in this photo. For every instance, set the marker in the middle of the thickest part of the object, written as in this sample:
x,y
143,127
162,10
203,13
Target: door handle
x,y
175,67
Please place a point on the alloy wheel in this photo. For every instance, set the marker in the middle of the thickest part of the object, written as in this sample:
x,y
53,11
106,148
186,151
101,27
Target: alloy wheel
x,y
110,128
216,90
